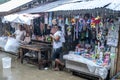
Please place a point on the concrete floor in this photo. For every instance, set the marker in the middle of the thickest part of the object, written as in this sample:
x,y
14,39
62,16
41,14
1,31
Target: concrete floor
x,y
26,71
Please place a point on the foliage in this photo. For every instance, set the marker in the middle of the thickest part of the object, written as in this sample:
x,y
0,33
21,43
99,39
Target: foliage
x,y
3,1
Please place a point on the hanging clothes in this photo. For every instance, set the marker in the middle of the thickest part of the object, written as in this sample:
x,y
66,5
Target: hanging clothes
x,y
42,28
47,29
74,29
59,22
46,18
36,24
66,21
77,29
50,18
88,23
81,24
82,36
88,36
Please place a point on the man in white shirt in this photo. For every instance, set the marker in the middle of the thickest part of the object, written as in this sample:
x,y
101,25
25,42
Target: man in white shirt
x,y
20,34
57,46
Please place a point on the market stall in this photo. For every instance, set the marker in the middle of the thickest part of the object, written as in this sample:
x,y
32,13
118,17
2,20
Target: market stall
x,y
14,20
91,33
97,47
33,48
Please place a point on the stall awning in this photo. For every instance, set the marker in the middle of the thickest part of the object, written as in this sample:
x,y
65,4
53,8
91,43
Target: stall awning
x,y
45,7
82,5
13,4
20,18
115,5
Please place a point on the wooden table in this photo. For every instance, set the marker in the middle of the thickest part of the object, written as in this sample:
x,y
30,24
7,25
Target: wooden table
x,y
33,47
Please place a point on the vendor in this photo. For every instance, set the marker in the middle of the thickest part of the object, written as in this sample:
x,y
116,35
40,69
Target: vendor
x,y
20,33
57,47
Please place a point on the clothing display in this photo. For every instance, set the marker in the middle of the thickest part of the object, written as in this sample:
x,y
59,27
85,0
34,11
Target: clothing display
x,y
50,19
39,26
36,24
46,18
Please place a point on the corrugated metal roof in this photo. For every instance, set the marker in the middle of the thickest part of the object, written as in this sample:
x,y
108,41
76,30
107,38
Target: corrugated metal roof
x,y
82,5
117,8
43,8
10,5
115,5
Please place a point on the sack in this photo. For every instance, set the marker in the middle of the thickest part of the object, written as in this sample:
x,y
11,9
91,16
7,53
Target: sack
x,y
32,54
3,41
12,45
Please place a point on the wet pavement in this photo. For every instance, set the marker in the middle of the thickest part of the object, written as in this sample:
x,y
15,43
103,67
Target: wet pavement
x,y
26,71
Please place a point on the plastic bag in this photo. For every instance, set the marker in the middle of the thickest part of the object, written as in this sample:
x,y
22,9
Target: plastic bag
x,y
12,45
102,72
3,41
91,68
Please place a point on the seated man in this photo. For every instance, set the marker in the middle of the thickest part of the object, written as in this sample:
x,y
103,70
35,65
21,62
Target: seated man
x,y
20,33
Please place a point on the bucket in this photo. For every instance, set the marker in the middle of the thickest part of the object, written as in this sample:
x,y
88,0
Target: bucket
x,y
6,62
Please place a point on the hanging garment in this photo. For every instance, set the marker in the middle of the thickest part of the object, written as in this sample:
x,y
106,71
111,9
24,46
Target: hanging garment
x,y
82,36
87,34
80,25
88,23
63,26
84,27
36,26
66,21
74,32
41,28
46,18
47,29
63,29
59,22
69,31
93,33
50,18
77,29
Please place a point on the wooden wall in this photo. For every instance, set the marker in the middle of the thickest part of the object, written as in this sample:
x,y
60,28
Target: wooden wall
x,y
118,57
